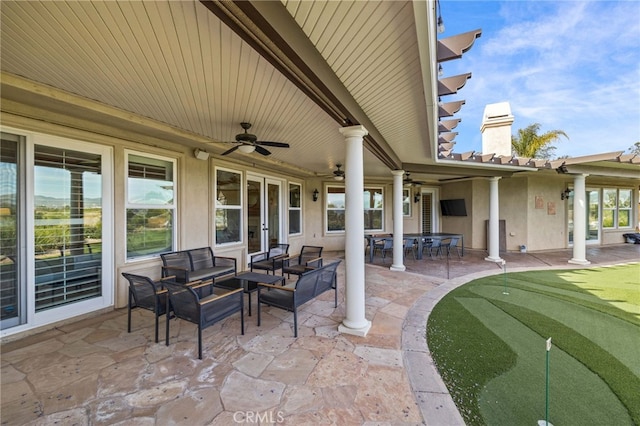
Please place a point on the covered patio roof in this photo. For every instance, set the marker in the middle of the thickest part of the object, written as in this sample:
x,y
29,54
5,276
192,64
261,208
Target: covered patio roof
x,y
191,72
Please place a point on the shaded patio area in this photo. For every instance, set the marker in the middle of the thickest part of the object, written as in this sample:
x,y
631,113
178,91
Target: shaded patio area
x,y
94,372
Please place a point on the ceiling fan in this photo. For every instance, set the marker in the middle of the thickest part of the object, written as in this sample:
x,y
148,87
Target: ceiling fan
x,y
408,181
247,143
338,174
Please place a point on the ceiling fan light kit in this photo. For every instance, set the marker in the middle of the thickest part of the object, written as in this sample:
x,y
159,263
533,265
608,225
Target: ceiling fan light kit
x,y
247,143
407,181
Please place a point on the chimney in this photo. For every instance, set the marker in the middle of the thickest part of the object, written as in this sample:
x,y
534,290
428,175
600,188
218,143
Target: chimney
x,y
496,129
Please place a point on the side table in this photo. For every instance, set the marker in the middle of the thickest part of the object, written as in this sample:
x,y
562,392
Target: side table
x,y
249,282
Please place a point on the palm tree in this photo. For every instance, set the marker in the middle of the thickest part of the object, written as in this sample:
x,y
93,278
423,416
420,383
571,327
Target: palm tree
x,y
528,143
635,149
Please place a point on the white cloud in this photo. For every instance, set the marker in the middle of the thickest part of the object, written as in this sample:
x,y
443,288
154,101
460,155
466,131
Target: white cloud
x,y
572,66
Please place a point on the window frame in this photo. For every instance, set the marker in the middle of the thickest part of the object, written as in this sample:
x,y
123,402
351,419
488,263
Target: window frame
x,y
228,207
616,209
173,207
28,222
327,209
297,208
406,202
375,209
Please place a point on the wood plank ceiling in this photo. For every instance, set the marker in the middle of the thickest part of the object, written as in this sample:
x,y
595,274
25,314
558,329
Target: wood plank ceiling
x,y
178,64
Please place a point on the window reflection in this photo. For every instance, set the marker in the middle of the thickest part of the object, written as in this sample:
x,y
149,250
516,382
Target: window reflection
x,y
150,206
335,209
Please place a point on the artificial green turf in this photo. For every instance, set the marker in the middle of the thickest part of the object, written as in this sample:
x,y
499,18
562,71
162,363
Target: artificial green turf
x,y
593,317
518,396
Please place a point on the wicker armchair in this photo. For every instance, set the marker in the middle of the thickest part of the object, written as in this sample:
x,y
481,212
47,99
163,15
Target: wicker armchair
x,y
310,257
146,294
186,304
271,260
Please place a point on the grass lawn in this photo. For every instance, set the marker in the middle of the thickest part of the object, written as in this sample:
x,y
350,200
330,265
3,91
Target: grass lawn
x,y
490,347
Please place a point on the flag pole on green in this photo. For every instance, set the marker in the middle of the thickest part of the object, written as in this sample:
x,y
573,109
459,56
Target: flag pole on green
x,y
545,422
504,269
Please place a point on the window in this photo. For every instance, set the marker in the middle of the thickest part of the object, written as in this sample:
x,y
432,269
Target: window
x,y
151,205
295,209
228,192
406,202
335,208
373,209
616,208
67,226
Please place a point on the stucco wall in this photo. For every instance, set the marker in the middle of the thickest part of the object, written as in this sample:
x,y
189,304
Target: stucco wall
x,y
411,224
547,221
514,208
460,224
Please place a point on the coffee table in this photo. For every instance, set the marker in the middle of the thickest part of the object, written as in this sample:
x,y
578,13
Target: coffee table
x,y
249,282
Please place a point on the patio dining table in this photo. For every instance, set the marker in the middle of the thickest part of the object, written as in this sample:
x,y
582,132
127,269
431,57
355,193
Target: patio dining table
x,y
420,238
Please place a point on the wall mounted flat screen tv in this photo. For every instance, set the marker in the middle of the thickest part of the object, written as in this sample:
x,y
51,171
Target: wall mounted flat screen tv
x,y
453,207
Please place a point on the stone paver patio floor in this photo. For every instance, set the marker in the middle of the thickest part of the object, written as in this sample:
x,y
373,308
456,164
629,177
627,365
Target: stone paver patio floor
x,y
93,372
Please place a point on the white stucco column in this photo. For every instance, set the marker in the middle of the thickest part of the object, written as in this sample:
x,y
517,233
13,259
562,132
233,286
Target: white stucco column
x,y
398,249
494,221
579,221
354,321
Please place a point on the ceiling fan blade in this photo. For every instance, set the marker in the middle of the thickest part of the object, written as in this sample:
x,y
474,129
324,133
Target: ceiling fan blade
x,y
262,150
276,144
229,151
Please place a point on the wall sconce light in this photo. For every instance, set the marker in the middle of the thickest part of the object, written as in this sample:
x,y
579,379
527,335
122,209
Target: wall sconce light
x,y
416,197
315,195
565,194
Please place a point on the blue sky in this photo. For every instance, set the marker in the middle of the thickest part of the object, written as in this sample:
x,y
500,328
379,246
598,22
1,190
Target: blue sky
x,y
571,66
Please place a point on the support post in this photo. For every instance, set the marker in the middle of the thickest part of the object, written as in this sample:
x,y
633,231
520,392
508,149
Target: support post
x,y
398,231
354,322
494,221
579,221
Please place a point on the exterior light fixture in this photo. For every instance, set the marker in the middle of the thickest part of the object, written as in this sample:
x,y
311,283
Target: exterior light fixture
x,y
565,194
315,195
416,197
440,21
200,154
247,149
440,70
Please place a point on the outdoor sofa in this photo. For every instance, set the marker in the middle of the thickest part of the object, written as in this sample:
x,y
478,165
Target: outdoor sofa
x,y
197,264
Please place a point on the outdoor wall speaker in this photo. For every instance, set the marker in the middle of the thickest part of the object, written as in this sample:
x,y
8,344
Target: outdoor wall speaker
x,y
201,155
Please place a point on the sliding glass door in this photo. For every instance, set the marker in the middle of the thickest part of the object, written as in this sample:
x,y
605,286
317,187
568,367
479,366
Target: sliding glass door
x,y
12,290
55,229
